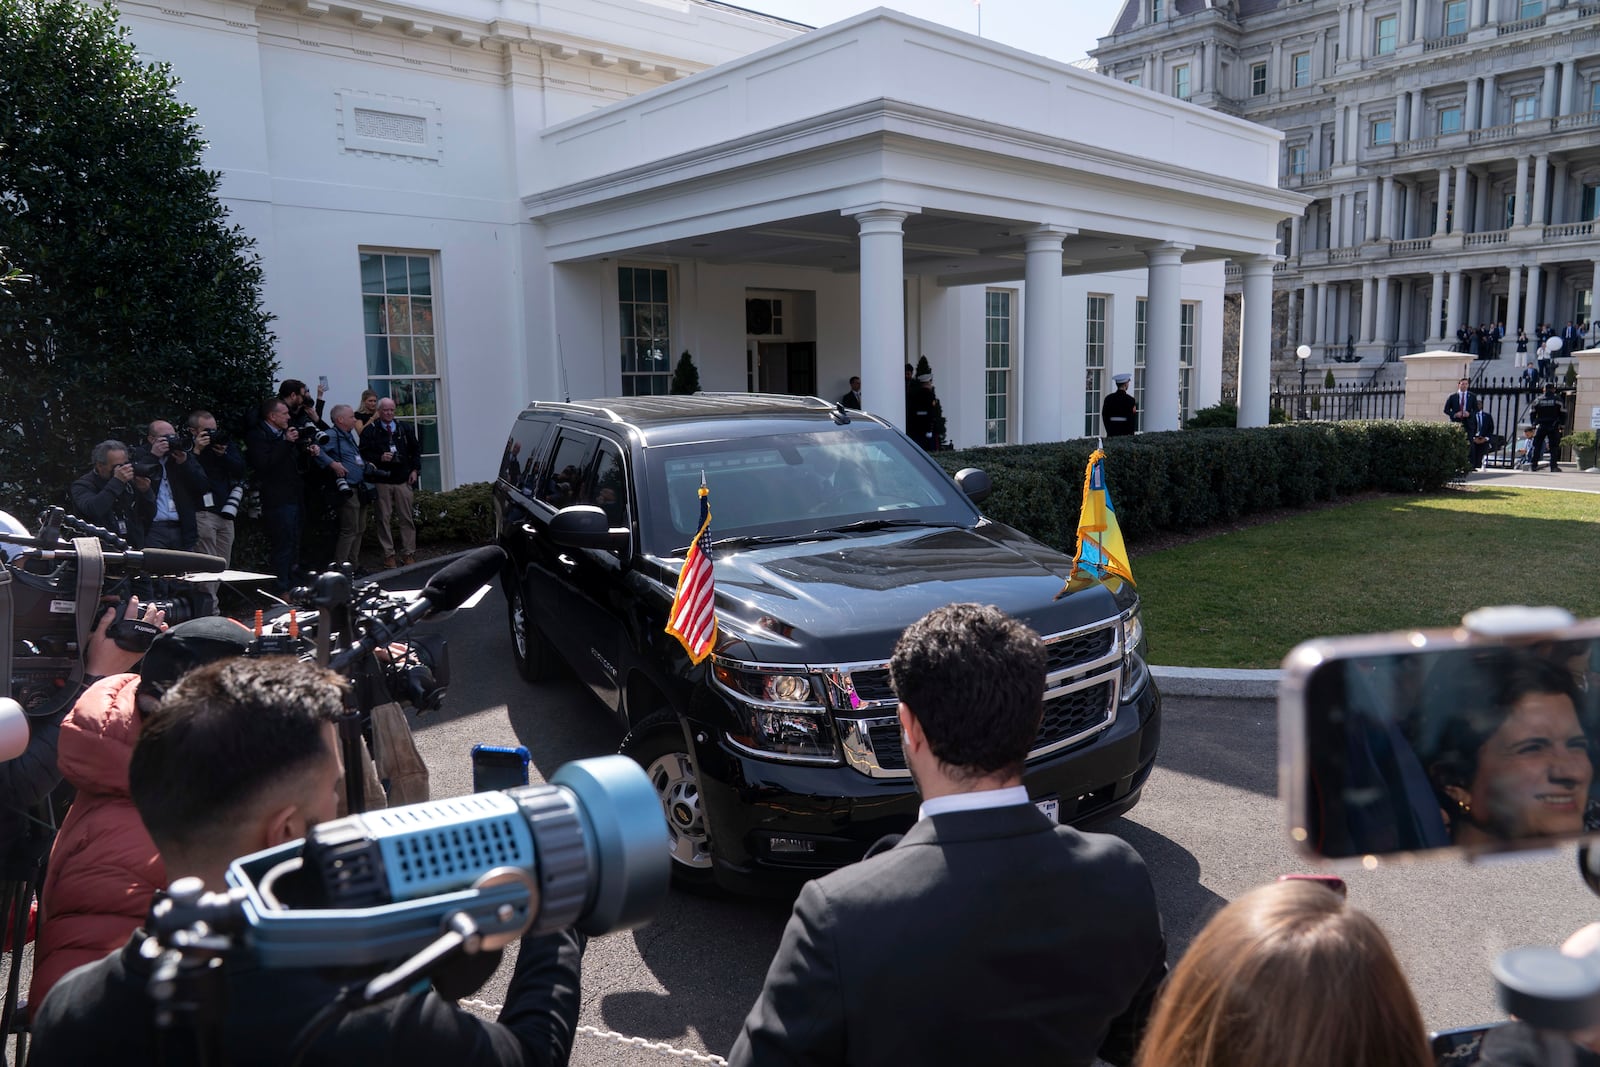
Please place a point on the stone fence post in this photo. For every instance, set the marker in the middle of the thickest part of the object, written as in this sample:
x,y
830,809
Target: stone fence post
x,y
1430,377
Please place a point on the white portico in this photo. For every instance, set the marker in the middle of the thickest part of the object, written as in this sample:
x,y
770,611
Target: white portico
x,y
882,149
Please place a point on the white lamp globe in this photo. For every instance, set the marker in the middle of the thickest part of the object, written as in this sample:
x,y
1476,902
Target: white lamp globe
x,y
1554,344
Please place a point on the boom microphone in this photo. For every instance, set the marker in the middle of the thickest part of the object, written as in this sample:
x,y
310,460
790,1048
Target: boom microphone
x,y
150,560
454,584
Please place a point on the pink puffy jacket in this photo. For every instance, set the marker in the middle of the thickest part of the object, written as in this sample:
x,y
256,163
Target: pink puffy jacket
x,y
104,868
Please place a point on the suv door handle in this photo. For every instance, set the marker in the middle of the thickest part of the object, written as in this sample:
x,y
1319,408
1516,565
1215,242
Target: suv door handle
x,y
567,561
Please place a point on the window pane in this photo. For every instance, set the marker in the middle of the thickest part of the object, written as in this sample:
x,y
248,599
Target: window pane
x,y
658,286
431,478
394,274
372,314
400,355
428,435
422,358
400,390
422,316
421,279
399,315
371,272
625,283
426,394
379,386
377,356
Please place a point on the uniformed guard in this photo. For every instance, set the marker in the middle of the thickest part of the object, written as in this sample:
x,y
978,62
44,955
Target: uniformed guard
x,y
1119,413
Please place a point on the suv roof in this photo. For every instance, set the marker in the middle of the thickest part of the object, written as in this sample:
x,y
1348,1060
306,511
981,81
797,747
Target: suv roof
x,y
648,411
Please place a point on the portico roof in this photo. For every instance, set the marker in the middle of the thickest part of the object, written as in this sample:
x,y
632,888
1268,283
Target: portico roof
x,y
767,158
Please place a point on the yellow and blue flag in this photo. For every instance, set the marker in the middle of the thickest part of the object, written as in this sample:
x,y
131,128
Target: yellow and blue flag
x,y
1101,551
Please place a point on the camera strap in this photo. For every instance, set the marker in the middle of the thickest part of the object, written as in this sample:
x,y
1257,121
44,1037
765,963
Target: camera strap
x,y
5,627
91,574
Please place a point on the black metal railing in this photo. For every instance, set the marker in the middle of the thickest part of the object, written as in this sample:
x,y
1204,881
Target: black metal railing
x,y
1507,400
1353,400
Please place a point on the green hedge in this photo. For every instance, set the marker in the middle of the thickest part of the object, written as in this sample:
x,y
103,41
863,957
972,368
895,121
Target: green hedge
x,y
1192,479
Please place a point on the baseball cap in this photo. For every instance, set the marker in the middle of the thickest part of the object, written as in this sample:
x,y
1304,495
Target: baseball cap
x,y
188,645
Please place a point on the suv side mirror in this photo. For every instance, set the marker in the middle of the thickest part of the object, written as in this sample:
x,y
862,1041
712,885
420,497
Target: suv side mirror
x,y
586,526
974,483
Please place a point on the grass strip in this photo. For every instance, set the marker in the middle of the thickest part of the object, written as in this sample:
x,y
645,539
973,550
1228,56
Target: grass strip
x,y
1244,598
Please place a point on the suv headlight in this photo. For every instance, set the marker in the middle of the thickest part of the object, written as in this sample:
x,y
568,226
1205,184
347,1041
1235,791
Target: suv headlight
x,y
780,712
1134,672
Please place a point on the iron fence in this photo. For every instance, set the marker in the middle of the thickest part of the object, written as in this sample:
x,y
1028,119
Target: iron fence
x,y
1349,400
1507,400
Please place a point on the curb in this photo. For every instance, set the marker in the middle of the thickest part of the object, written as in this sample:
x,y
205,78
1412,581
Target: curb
x,y
407,568
1217,682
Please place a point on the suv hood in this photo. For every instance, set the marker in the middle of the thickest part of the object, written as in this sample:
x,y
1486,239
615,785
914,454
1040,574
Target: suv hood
x,y
848,600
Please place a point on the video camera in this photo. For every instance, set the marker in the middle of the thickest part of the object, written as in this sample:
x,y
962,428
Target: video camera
x,y
55,586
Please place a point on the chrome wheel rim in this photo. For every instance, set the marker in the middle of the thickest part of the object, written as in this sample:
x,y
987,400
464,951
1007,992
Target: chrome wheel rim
x,y
674,780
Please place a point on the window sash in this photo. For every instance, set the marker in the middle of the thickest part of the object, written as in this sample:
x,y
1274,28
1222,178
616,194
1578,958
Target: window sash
x,y
997,326
1382,131
1450,120
645,332
1141,311
1384,38
1180,82
1258,80
403,349
1094,361
1301,65
1455,17
1524,108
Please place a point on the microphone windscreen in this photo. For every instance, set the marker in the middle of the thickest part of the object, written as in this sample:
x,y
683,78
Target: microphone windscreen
x,y
166,561
450,588
13,729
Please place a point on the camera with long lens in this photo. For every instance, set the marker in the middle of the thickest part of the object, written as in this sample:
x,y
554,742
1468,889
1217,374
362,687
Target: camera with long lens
x,y
230,506
63,578
343,485
182,441
219,436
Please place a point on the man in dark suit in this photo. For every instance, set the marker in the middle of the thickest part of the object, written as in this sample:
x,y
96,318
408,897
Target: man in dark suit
x,y
1480,434
1460,405
987,934
852,399
390,447
272,449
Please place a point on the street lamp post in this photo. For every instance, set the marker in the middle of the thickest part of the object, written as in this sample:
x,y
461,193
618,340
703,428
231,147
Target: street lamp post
x,y
1303,353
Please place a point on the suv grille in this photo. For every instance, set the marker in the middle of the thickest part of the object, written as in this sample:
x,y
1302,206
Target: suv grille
x,y
1081,699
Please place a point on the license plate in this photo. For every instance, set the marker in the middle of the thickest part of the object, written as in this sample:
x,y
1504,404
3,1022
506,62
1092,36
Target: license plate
x,y
1051,808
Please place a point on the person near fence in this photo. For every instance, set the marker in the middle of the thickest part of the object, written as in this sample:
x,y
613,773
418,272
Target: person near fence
x,y
1549,416
1460,405
1525,450
1480,434
1522,348
1547,363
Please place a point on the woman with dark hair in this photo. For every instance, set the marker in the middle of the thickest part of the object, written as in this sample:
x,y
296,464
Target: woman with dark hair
x,y
1505,748
1288,973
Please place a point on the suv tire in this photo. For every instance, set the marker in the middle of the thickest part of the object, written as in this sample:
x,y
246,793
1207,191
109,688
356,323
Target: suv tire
x,y
657,745
536,660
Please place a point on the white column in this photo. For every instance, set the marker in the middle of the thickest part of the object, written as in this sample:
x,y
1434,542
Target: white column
x,y
1490,112
1408,21
1374,210
1480,204
1547,98
1558,192
1471,115
1358,34
1255,347
1521,192
1336,223
1341,144
1513,296
1324,324
1291,319
1408,291
1461,200
1442,211
1295,235
883,319
1382,330
1387,216
1162,312
1043,353
1412,227
1480,13
1436,311
1203,76
1569,86
1454,311
1308,307
1530,310
1541,168
1369,307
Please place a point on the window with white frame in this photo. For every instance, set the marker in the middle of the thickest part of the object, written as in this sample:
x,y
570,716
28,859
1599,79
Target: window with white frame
x,y
1135,79
1298,156
1382,131
1140,321
1157,10
1180,81
1511,211
1300,69
1258,79
1594,97
397,309
1455,17
1588,203
644,312
1384,34
1524,107
1094,362
1450,119
997,353
1186,340
1530,9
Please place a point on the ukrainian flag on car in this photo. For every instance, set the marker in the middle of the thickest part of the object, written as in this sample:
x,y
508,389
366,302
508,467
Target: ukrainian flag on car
x,y
1101,551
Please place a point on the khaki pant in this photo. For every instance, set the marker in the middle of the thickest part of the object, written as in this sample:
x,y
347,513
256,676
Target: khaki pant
x,y
216,539
395,500
352,524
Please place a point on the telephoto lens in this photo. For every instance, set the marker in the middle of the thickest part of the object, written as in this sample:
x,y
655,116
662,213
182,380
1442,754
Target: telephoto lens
x,y
343,485
230,507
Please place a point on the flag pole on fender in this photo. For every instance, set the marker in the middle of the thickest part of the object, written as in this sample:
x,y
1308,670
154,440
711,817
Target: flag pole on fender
x,y
693,619
1101,551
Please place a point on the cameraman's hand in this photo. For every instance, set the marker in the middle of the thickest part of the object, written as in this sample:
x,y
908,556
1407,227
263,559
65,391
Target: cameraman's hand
x,y
141,484
123,472
313,450
411,479
160,447
103,656
337,468
291,434
202,440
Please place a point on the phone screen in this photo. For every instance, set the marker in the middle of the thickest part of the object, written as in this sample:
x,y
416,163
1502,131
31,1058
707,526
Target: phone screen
x,y
322,380
497,767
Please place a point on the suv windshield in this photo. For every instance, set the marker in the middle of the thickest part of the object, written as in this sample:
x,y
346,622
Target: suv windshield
x,y
793,484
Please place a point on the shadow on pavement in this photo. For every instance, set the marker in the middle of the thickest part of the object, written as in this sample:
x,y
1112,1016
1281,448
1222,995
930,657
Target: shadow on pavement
x,y
1230,742
1185,904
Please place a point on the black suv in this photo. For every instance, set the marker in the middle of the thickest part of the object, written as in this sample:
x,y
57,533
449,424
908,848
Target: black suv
x,y
779,755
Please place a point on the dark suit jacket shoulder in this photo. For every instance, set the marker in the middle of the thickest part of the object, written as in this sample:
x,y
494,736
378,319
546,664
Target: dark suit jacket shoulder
x,y
982,937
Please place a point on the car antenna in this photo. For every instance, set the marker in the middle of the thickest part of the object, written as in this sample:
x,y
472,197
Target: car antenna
x,y
566,386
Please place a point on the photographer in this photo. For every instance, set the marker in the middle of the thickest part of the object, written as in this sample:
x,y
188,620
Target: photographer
x,y
171,484
272,449
239,757
352,487
303,411
107,495
224,469
391,447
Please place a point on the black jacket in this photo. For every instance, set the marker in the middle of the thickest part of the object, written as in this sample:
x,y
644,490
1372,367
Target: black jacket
x,y
100,1013
375,441
189,484
274,460
108,502
222,472
1548,413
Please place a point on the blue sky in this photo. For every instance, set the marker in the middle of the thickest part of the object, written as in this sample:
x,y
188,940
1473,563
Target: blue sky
x,y
1060,29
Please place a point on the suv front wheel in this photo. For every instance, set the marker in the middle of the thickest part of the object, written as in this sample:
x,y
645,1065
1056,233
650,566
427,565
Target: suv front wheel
x,y
657,745
536,660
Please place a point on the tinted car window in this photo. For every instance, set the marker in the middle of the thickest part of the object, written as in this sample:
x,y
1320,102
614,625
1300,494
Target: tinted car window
x,y
563,483
609,485
519,464
793,483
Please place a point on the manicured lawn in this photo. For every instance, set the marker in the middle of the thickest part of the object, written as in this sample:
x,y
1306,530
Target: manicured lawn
x,y
1243,599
